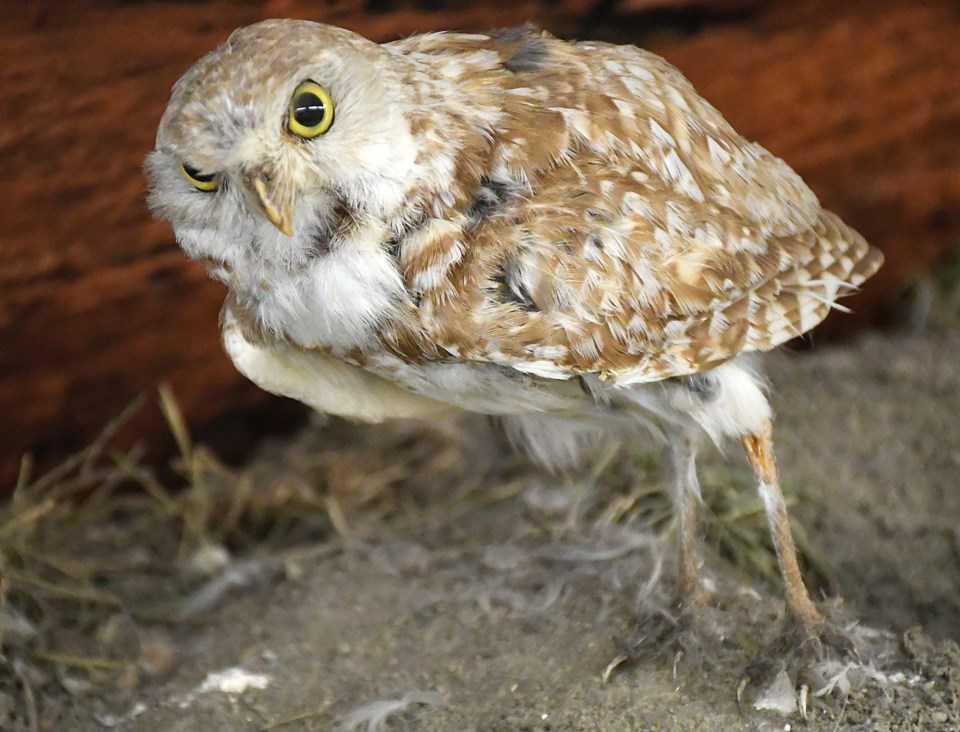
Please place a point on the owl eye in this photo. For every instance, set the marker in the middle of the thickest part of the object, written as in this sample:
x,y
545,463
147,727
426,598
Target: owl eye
x,y
311,110
200,181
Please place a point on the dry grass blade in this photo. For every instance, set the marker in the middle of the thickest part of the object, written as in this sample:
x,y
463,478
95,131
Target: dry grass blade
x,y
198,508
53,590
30,702
178,425
82,662
23,475
58,482
96,448
18,522
146,480
75,568
4,612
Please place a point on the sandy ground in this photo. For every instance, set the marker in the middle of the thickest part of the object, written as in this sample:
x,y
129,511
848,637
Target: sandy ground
x,y
500,608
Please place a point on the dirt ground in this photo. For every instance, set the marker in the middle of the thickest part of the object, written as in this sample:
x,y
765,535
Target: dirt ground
x,y
489,596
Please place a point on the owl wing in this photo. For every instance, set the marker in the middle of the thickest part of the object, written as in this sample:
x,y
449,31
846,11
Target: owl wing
x,y
622,227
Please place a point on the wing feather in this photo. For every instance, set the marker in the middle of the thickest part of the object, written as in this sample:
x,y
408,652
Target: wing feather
x,y
626,228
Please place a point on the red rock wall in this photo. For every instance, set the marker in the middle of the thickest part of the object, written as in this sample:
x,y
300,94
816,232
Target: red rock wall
x,y
97,304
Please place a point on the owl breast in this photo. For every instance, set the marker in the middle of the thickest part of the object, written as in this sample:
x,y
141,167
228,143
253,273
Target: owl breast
x,y
335,302
325,287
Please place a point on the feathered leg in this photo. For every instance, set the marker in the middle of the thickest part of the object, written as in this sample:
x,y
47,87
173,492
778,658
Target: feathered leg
x,y
759,447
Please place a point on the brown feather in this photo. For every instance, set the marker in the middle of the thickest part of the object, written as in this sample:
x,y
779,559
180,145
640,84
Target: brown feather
x,y
636,234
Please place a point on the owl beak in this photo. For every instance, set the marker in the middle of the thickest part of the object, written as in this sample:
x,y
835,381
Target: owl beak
x,y
278,211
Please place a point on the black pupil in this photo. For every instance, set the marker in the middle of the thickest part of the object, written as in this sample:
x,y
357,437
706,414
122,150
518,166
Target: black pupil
x,y
309,109
197,175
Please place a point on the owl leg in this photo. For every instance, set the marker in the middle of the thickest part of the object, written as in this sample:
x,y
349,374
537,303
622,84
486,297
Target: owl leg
x,y
759,447
812,632
686,499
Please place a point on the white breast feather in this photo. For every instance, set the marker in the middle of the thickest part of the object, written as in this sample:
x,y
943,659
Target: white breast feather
x,y
323,383
339,300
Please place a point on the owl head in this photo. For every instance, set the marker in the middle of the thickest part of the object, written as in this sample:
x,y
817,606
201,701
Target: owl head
x,y
263,135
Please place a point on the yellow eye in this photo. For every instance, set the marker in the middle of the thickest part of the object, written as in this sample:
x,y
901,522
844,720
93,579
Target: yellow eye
x,y
200,181
311,110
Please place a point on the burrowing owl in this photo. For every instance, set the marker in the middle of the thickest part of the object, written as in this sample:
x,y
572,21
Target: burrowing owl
x,y
561,234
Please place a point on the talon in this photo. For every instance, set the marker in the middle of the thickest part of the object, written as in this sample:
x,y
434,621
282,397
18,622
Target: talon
x,y
617,661
744,682
676,663
802,701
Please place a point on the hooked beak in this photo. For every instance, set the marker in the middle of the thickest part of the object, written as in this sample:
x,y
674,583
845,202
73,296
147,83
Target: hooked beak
x,y
273,203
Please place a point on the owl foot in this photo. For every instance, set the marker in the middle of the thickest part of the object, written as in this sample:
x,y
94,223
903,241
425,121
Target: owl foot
x,y
684,633
786,673
693,634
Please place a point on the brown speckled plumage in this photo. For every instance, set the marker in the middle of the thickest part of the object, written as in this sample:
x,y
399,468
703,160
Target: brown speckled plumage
x,y
506,223
627,230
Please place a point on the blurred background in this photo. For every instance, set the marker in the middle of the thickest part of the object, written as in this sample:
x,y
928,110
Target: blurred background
x,y
97,304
